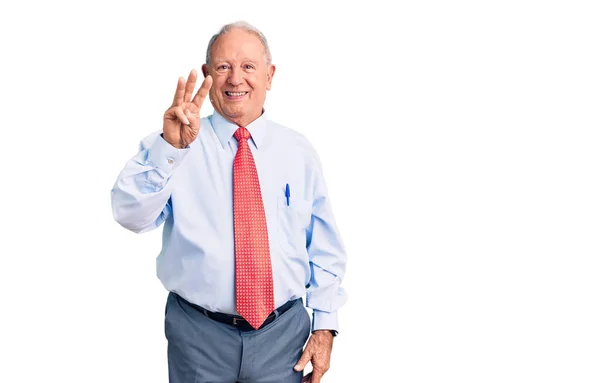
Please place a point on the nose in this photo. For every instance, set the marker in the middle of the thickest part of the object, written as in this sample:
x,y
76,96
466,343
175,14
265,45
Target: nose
x,y
236,77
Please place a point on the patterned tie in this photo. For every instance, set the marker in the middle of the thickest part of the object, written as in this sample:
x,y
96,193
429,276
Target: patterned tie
x,y
253,279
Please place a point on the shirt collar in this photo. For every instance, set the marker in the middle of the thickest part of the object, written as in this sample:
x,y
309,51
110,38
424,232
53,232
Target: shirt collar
x,y
225,129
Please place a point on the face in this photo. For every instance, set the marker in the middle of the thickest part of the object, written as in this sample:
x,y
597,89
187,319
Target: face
x,y
241,77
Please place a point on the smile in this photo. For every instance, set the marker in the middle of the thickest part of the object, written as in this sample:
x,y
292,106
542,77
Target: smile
x,y
235,94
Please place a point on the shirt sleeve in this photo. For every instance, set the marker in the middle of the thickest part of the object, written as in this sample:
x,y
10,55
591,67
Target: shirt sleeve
x,y
140,196
327,257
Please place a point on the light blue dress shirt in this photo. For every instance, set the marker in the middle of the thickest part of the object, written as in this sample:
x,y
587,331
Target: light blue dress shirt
x,y
191,191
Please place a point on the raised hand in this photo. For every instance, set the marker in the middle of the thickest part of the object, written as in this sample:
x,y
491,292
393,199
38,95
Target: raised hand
x,y
181,122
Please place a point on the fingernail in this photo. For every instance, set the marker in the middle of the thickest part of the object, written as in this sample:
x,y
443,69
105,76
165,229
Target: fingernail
x,y
187,122
297,368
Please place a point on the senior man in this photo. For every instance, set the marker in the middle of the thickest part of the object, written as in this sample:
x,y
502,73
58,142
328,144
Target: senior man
x,y
248,226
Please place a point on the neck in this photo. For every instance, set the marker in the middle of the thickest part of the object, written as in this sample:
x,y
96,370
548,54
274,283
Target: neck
x,y
243,120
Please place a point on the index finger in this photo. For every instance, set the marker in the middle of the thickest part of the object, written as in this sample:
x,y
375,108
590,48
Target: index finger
x,y
203,91
178,99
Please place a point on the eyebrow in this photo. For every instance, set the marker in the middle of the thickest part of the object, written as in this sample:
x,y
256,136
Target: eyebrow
x,y
217,59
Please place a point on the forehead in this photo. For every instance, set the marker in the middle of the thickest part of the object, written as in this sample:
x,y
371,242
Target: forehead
x,y
238,44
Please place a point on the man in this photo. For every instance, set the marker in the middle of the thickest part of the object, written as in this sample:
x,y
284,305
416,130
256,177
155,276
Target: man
x,y
248,226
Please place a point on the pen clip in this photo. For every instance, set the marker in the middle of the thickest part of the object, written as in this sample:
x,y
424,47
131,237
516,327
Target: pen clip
x,y
287,194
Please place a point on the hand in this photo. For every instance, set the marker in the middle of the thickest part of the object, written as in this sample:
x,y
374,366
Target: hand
x,y
318,352
181,122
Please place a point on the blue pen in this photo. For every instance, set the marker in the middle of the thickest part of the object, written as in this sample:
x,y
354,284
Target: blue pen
x,y
287,194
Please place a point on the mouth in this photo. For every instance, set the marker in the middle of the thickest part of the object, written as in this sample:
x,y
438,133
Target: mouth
x,y
235,95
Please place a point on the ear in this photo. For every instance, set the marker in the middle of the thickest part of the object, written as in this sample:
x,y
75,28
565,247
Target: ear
x,y
205,70
270,74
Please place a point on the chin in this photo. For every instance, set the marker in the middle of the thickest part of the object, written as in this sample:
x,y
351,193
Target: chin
x,y
235,112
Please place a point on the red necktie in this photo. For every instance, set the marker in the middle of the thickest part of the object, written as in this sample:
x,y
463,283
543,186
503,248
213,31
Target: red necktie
x,y
253,278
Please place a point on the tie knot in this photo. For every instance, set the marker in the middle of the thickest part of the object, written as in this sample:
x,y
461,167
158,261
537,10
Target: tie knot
x,y
241,134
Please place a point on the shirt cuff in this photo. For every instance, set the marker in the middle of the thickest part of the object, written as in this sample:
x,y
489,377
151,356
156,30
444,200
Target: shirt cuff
x,y
325,321
165,157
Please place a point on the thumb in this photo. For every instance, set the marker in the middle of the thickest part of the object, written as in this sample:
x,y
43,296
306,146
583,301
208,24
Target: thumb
x,y
192,119
304,359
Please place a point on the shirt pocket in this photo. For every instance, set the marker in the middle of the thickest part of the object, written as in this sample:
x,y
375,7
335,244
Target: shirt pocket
x,y
293,220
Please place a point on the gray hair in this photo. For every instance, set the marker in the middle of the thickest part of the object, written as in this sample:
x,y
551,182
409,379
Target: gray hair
x,y
246,27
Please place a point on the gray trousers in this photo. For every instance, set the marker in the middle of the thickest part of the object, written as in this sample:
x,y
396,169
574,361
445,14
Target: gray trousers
x,y
202,350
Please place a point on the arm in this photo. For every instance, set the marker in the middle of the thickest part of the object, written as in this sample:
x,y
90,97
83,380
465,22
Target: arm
x,y
140,196
327,258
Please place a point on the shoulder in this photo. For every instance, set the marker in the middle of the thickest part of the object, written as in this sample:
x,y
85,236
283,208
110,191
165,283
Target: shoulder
x,y
291,138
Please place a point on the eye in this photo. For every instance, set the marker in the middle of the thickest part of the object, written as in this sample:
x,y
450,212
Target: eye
x,y
222,68
249,67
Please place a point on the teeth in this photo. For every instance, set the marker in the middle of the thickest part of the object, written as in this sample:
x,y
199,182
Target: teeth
x,y
235,94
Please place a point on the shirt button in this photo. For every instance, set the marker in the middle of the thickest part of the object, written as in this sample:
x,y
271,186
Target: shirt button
x,y
170,161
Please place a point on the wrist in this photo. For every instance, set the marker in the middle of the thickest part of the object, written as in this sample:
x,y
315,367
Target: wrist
x,y
333,333
176,146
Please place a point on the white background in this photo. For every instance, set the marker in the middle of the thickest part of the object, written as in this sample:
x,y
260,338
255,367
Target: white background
x,y
460,144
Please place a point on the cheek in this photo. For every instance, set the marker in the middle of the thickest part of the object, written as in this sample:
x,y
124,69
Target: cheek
x,y
257,81
217,85
213,93
259,86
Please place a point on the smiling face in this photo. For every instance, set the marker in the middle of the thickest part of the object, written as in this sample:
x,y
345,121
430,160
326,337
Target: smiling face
x,y
241,76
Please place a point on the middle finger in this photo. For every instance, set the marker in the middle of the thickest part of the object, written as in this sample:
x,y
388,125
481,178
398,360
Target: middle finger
x,y
190,85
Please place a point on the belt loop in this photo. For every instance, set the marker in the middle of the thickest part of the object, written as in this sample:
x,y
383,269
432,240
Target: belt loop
x,y
205,311
276,313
